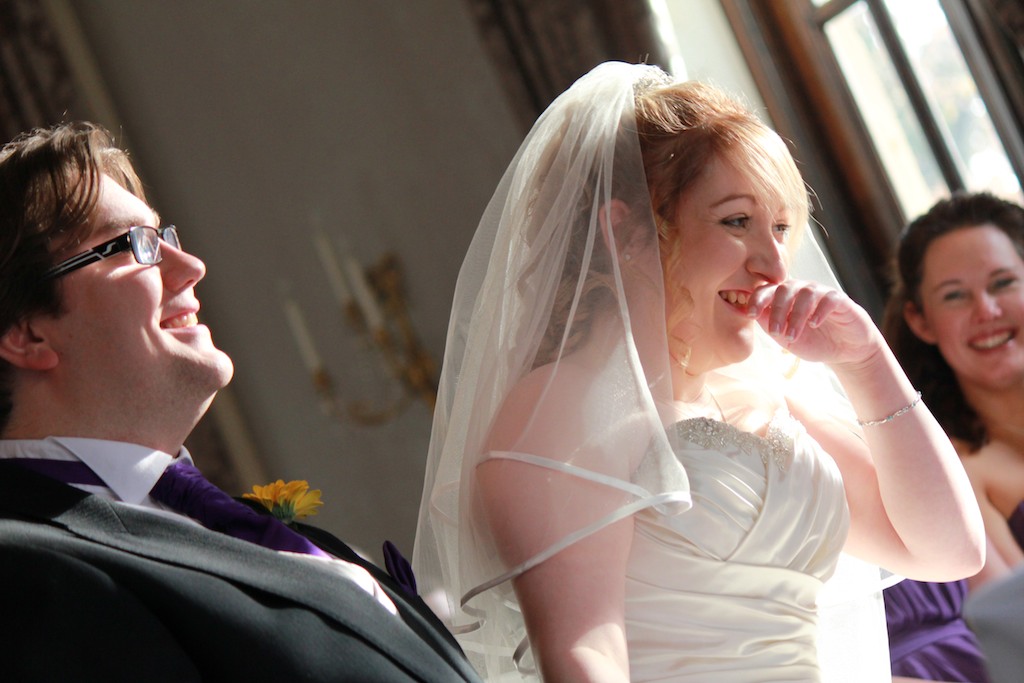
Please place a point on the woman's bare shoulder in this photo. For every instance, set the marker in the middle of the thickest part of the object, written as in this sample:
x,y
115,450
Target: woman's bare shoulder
x,y
544,402
549,383
994,460
994,451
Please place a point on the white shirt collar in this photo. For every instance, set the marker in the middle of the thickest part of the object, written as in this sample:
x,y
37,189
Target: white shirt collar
x,y
129,470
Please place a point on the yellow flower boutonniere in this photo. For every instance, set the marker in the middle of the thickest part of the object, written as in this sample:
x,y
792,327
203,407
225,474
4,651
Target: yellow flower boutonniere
x,y
288,502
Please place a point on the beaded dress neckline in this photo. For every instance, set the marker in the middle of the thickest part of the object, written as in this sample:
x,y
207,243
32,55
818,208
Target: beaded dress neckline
x,y
776,446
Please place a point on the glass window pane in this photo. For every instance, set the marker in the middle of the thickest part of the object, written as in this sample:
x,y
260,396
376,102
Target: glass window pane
x,y
885,109
953,96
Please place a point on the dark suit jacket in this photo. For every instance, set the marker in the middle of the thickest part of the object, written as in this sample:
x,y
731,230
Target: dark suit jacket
x,y
93,591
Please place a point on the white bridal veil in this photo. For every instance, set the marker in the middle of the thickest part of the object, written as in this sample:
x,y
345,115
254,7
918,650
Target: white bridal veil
x,y
556,357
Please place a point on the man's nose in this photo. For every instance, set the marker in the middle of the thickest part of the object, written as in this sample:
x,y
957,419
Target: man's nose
x,y
179,268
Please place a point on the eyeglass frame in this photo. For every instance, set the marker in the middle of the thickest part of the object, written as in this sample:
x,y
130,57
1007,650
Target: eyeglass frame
x,y
123,242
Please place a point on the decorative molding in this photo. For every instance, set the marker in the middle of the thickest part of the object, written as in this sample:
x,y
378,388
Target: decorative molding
x,y
36,87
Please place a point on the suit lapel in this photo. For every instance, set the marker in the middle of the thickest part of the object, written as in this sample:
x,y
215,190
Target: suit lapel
x,y
413,609
178,543
417,615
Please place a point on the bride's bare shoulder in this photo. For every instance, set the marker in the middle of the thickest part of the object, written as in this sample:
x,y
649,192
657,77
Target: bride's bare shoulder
x,y
547,400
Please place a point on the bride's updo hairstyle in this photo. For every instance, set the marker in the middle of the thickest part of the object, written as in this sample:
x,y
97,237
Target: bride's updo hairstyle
x,y
566,156
683,128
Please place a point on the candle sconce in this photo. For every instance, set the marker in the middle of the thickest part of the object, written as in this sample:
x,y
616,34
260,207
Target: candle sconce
x,y
373,303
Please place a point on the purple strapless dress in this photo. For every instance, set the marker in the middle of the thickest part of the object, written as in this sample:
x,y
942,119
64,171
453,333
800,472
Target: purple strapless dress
x,y
928,637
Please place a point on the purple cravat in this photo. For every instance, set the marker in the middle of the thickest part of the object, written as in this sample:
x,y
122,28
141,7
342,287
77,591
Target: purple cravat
x,y
184,488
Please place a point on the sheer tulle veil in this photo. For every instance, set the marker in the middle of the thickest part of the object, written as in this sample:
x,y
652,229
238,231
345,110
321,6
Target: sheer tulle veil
x,y
557,332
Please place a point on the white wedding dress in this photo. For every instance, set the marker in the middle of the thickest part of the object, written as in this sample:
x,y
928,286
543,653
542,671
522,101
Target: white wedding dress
x,y
728,591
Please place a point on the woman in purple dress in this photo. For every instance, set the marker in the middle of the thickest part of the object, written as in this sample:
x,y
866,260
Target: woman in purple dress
x,y
956,323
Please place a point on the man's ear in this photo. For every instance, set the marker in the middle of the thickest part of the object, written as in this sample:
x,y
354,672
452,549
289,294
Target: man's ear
x,y
23,347
918,323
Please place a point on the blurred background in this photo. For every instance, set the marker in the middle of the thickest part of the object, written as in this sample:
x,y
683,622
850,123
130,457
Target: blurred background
x,y
329,160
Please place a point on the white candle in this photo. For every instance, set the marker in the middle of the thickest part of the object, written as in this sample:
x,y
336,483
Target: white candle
x,y
364,295
307,350
330,263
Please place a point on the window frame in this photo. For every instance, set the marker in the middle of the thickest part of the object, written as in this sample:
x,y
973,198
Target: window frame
x,y
809,103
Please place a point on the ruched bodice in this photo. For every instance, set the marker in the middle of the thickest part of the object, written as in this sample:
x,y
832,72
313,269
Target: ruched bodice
x,y
727,591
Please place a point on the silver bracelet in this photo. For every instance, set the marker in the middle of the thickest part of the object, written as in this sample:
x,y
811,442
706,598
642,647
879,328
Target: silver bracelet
x,y
889,418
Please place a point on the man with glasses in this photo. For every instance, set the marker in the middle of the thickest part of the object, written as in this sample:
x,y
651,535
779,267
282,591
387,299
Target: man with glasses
x,y
118,561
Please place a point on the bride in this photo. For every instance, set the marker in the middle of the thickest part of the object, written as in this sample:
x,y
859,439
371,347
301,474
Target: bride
x,y
646,458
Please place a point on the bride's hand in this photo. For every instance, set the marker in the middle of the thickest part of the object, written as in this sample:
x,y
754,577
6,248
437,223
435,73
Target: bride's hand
x,y
815,322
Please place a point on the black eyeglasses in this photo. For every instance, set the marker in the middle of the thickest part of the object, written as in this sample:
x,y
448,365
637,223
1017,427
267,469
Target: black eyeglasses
x,y
143,240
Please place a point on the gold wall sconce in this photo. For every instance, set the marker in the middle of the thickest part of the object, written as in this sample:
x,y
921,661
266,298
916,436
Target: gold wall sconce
x,y
374,305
